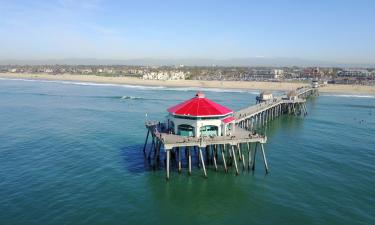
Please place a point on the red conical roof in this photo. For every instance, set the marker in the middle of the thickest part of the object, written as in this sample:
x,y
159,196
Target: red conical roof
x,y
199,106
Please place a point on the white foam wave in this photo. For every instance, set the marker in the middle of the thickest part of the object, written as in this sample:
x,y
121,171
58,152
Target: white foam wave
x,y
85,83
349,95
224,90
255,92
131,97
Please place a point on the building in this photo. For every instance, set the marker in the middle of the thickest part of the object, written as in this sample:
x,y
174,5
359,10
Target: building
x,y
353,73
199,117
164,75
264,96
315,84
267,73
312,72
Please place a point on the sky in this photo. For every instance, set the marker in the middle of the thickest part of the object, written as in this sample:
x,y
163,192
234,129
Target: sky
x,y
324,30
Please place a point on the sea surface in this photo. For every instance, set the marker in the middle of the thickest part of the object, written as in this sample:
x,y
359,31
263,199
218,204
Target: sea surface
x,y
71,153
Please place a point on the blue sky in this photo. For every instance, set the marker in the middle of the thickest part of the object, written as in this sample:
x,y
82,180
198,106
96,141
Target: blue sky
x,y
337,31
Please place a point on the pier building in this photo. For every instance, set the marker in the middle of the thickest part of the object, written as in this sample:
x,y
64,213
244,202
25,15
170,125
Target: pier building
x,y
264,96
199,117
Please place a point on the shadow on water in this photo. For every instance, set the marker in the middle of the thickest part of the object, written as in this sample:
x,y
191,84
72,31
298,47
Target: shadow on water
x,y
134,160
287,122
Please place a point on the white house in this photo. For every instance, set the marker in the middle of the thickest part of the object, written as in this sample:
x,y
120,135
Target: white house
x,y
199,117
264,96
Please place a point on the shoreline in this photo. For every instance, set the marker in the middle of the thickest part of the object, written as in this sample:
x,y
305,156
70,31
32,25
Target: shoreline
x,y
239,85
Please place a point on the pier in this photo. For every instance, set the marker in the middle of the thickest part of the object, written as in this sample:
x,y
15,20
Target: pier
x,y
256,116
234,143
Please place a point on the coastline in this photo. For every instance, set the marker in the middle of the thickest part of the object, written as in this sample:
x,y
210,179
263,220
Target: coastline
x,y
243,85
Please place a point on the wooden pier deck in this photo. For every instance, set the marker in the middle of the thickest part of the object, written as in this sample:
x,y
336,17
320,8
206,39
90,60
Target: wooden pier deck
x,y
170,141
255,116
253,110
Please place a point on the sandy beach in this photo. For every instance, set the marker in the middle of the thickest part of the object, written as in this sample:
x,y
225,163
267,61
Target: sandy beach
x,y
252,85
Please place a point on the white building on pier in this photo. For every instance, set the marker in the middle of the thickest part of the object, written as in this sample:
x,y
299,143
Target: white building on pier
x,y
199,117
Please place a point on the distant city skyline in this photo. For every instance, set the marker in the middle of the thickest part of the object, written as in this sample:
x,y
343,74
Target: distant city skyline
x,y
319,32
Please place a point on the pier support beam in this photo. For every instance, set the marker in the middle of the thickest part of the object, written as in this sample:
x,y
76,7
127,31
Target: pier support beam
x,y
223,156
254,156
249,155
179,160
264,158
202,161
214,156
242,155
144,147
189,159
168,155
234,159
156,154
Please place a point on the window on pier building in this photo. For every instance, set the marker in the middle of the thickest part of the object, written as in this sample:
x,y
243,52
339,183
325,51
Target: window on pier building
x,y
209,130
185,130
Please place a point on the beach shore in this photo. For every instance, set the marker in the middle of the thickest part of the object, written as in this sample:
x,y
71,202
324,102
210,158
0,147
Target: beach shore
x,y
252,85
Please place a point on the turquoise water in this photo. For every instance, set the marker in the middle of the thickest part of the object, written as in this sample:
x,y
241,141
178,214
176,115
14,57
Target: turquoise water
x,y
71,153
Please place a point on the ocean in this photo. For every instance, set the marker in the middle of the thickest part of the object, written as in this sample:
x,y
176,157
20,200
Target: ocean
x,y
71,153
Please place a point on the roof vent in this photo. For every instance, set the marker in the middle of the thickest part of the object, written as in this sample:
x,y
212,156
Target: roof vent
x,y
200,94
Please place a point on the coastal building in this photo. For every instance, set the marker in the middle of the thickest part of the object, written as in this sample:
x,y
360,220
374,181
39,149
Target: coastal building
x,y
313,72
48,70
200,117
264,96
267,73
353,73
315,84
164,75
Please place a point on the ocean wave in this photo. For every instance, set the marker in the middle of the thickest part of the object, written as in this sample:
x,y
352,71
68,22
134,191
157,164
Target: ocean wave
x,y
85,83
223,90
349,95
132,98
144,87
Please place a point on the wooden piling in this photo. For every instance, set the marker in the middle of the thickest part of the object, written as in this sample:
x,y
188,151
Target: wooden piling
x,y
249,154
189,159
214,156
254,156
223,157
234,159
239,151
202,161
156,153
168,153
179,160
264,158
144,146
243,161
